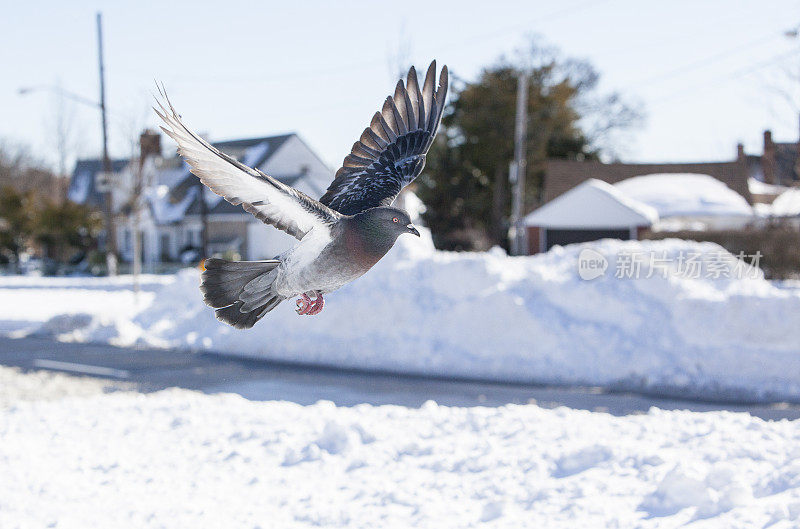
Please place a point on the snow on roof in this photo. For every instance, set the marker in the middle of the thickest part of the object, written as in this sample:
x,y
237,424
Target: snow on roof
x,y
255,155
787,204
685,194
757,187
173,175
164,211
592,204
81,184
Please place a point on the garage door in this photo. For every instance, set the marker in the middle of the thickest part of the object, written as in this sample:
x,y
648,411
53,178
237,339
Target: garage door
x,y
564,237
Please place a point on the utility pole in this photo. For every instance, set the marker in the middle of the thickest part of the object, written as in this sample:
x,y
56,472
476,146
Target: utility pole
x,y
111,234
516,230
201,196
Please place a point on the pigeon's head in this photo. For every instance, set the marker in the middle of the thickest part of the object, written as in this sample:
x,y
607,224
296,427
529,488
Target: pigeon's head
x,y
387,221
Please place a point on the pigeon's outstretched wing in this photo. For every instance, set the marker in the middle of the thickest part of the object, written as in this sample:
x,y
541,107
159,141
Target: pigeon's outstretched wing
x,y
271,201
391,151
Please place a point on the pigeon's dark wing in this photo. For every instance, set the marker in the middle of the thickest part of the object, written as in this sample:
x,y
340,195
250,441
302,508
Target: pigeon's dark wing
x,y
391,151
271,201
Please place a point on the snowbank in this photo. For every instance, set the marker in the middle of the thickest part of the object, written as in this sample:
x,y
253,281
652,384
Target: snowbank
x,y
26,302
183,459
525,319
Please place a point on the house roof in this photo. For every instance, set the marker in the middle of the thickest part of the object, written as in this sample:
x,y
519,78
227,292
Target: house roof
x,y
592,204
251,152
787,204
82,183
759,187
685,195
273,141
562,175
785,163
215,204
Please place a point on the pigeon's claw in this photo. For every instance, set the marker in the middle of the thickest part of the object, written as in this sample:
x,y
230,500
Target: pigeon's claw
x,y
317,306
304,304
310,307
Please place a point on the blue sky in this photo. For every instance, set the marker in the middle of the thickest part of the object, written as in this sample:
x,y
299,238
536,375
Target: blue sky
x,y
708,73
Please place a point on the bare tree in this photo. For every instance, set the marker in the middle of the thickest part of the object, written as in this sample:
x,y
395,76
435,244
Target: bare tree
x,y
398,56
63,130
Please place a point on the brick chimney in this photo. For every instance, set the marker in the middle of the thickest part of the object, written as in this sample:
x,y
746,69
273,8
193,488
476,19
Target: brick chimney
x,y
768,158
149,144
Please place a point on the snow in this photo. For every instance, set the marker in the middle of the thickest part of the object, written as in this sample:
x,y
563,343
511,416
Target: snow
x,y
163,210
183,459
79,191
42,304
685,194
593,204
253,155
787,204
757,187
172,176
490,316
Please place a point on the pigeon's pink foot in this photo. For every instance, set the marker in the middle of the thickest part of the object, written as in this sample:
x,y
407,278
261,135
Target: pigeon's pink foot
x,y
308,306
304,304
317,305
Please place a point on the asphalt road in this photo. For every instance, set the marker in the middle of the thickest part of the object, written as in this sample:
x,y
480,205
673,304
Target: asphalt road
x,y
156,369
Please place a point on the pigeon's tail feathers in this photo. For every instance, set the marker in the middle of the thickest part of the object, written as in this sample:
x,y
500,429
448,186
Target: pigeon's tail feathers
x,y
241,291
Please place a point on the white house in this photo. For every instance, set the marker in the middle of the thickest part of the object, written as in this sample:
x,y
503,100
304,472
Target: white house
x,y
592,210
170,221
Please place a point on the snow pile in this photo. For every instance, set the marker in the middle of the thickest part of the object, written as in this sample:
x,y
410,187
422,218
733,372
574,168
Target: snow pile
x,y
696,330
680,195
183,459
26,302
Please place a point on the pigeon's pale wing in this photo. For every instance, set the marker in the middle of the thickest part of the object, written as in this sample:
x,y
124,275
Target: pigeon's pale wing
x,y
391,151
271,201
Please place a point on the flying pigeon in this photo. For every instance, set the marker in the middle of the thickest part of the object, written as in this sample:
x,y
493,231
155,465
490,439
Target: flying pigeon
x,y
344,233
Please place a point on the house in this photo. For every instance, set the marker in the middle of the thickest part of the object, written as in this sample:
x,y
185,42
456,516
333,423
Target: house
x,y
757,178
699,196
592,210
170,219
563,175
83,183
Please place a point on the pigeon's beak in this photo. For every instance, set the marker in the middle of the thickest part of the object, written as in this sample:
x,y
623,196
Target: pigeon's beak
x,y
412,229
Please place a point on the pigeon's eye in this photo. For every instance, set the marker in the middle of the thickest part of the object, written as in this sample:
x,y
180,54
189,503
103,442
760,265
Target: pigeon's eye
x,y
395,219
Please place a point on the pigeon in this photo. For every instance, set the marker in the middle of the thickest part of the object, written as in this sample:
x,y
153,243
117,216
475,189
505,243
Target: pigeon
x,y
344,233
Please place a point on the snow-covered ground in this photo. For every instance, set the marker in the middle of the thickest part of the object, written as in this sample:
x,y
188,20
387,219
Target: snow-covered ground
x,y
182,459
690,330
26,302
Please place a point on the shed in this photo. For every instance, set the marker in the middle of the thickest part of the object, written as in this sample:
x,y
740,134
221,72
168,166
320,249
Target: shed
x,y
590,211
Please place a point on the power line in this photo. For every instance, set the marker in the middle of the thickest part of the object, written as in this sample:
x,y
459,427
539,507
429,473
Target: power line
x,y
366,64
708,60
741,72
547,17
